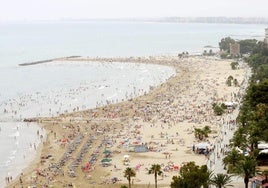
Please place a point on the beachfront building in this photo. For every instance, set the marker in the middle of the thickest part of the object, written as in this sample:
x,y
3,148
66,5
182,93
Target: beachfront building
x,y
234,49
266,37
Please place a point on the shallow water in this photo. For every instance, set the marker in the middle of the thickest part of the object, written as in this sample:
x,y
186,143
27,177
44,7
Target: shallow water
x,y
18,143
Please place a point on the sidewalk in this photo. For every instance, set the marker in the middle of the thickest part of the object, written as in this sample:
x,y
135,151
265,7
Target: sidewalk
x,y
226,133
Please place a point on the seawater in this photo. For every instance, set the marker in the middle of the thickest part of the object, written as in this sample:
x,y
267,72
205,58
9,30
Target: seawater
x,y
55,88
51,89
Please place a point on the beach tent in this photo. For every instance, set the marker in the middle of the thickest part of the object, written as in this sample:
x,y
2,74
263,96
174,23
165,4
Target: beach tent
x,y
264,151
126,156
126,160
140,148
228,104
107,151
106,160
202,145
263,146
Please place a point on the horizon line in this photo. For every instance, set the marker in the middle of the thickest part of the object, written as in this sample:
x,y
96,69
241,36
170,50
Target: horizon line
x,y
178,19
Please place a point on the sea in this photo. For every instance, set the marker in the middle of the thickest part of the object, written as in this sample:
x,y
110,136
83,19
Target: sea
x,y
54,88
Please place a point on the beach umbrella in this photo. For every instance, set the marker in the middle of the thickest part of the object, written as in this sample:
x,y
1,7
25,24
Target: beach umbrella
x,y
126,156
106,160
107,151
166,153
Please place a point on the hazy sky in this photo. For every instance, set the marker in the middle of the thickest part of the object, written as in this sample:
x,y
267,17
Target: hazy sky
x,y
77,9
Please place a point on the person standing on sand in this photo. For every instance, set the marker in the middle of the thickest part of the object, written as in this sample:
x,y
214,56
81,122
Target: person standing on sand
x,y
21,180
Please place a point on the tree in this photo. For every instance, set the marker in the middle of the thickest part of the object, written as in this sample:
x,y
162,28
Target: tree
x,y
225,44
232,159
218,110
246,168
245,114
240,138
156,170
234,65
192,176
258,93
199,134
128,173
221,180
202,133
248,45
206,131
262,73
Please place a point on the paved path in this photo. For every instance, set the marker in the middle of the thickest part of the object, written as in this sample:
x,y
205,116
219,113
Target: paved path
x,y
226,133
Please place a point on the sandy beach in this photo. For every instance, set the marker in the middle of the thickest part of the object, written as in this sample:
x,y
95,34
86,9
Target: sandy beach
x,y
92,148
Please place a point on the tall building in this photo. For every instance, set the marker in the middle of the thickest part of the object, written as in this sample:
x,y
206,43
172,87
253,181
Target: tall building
x,y
266,37
234,49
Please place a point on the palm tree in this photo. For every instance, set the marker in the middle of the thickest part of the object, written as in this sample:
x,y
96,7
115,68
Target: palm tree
x,y
246,167
128,173
206,131
156,170
240,138
221,180
232,158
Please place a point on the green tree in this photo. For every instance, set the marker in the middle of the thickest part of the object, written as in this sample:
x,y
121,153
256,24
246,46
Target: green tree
x,y
129,173
206,131
202,133
246,168
232,159
225,44
240,138
156,170
245,114
199,134
248,45
191,176
221,180
218,110
258,93
234,65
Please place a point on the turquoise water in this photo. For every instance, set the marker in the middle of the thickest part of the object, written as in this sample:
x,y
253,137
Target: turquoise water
x,y
47,90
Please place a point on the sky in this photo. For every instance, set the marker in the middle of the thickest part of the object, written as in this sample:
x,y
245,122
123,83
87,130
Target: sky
x,y
90,9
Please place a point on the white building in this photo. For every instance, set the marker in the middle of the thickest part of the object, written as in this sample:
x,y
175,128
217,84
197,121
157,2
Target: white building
x,y
266,37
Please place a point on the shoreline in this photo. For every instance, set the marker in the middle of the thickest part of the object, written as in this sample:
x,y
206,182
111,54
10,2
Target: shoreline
x,y
118,115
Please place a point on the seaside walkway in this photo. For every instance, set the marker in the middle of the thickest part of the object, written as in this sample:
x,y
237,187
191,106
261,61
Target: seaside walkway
x,y
227,130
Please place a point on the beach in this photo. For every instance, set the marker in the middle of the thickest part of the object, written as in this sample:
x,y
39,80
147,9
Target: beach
x,y
162,122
